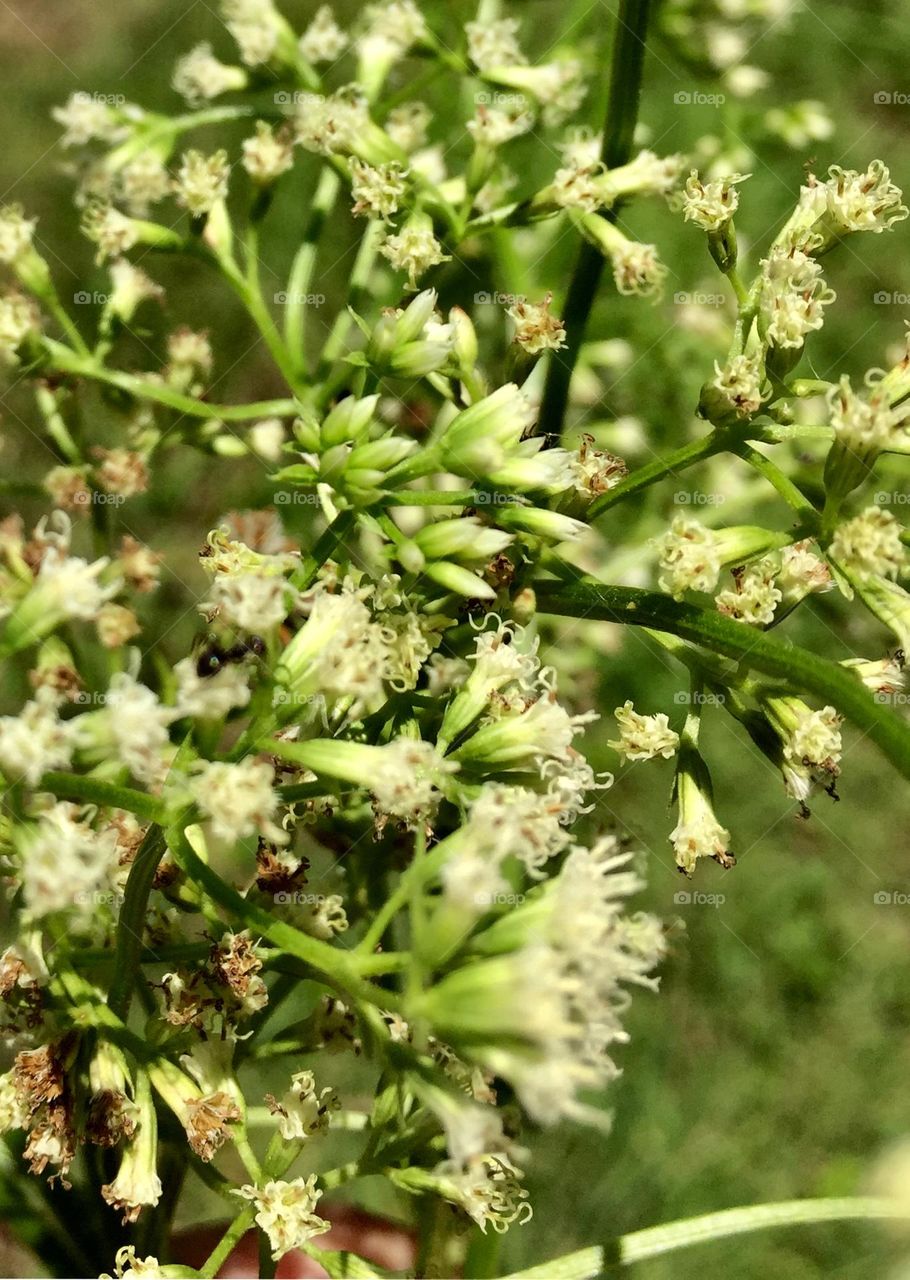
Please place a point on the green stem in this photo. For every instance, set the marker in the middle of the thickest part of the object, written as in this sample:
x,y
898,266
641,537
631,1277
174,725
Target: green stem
x,y
791,494
228,1242
72,786
66,361
622,114
338,968
131,922
655,1241
301,275
644,477
756,650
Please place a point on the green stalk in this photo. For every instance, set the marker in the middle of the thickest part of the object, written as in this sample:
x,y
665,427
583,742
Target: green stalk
x,y
655,1241
301,275
131,921
757,650
622,113
338,968
110,795
644,477
66,361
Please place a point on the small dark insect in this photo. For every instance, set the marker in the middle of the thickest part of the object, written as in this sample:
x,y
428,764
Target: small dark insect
x,y
213,657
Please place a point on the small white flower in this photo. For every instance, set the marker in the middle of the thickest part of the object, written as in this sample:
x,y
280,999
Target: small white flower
x,y
793,297
323,40
643,737
870,545
494,43
377,189
199,76
65,863
267,155
285,1211
16,232
238,798
202,181
85,118
32,743
304,1111
689,558
250,601
711,205
755,596
414,248
138,724
407,779
536,329
210,697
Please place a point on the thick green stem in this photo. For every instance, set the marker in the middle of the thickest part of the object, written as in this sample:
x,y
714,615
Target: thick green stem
x,y
73,786
131,922
301,276
622,113
654,1241
757,650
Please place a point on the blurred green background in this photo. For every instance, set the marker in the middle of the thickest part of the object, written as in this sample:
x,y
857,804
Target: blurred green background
x,y
774,1063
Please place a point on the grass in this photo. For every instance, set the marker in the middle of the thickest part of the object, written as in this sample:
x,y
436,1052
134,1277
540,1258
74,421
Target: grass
x,y
774,1062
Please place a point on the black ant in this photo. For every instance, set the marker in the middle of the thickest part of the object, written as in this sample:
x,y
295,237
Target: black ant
x,y
213,657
